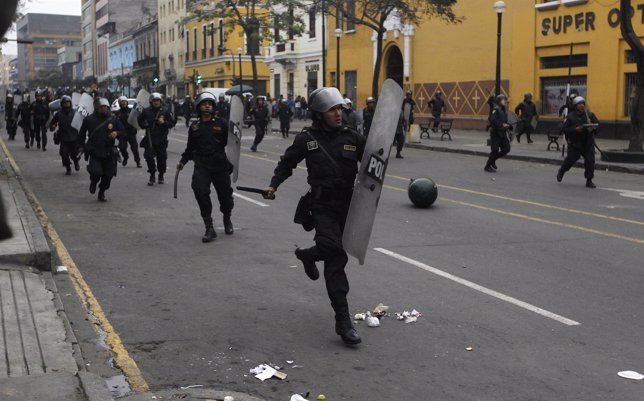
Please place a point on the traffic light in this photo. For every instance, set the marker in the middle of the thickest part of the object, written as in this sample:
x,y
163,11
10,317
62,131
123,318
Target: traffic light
x,y
199,79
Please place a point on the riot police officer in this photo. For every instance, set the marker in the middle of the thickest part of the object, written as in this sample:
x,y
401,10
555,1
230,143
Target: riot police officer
x,y
349,116
499,133
24,112
40,113
157,122
97,137
580,128
438,107
187,108
527,111
262,116
332,153
10,117
207,140
223,108
66,135
367,115
123,114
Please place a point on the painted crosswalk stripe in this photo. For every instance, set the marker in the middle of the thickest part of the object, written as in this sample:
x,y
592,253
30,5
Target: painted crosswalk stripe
x,y
250,200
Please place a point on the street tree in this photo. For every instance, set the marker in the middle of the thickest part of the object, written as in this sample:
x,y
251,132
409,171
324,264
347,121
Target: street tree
x,y
375,13
256,18
637,104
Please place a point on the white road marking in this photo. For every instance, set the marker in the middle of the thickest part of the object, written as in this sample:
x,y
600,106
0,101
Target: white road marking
x,y
250,200
480,288
627,193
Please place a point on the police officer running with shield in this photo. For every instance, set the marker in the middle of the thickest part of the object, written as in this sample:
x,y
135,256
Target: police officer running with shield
x,y
130,138
67,136
332,153
97,136
207,140
580,128
157,122
499,133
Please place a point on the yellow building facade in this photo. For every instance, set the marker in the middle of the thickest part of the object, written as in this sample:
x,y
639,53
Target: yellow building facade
x,y
460,59
213,53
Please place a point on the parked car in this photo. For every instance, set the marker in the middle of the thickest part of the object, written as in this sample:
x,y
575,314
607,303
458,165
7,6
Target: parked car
x,y
115,105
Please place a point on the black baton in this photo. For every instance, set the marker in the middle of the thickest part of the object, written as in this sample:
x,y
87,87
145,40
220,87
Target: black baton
x,y
176,181
255,191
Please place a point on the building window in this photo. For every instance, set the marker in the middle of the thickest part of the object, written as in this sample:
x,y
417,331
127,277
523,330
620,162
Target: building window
x,y
194,44
351,84
291,20
629,92
212,39
187,47
221,34
553,92
204,35
332,81
312,17
277,86
630,57
252,43
338,18
351,13
276,30
577,60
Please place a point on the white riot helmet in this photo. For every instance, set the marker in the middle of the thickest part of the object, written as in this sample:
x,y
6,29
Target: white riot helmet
x,y
102,102
64,99
205,97
578,100
371,99
323,99
156,96
348,101
122,98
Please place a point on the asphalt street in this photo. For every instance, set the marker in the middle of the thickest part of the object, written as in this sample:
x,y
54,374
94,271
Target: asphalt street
x,y
541,280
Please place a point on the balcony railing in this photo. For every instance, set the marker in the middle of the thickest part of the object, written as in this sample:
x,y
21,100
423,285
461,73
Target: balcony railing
x,y
145,63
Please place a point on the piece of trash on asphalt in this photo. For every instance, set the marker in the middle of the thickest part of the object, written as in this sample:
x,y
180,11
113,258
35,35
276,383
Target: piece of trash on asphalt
x,y
297,397
373,321
229,398
191,386
629,374
62,269
360,316
290,362
469,349
380,310
280,375
409,317
321,397
293,267
263,372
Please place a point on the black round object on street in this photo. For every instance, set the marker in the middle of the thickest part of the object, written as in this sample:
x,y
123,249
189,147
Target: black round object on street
x,y
422,192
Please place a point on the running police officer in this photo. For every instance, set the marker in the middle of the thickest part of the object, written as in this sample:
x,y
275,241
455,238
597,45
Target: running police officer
x,y
262,115
123,114
97,137
580,128
40,113
24,112
66,135
499,133
207,140
10,117
222,108
332,153
367,115
527,111
157,122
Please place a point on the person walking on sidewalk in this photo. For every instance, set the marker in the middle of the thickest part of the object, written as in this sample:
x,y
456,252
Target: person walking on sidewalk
x,y
40,114
157,121
24,112
580,128
332,153
67,136
499,133
97,137
437,106
262,116
123,114
284,114
367,115
207,140
527,112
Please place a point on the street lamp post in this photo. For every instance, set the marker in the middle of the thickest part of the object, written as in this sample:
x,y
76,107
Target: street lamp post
x,y
500,8
338,34
323,44
241,74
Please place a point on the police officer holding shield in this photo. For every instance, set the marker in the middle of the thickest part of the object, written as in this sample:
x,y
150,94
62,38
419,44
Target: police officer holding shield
x,y
123,114
207,140
332,153
157,122
97,136
67,136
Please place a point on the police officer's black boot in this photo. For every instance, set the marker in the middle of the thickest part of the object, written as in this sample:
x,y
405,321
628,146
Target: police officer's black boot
x,y
152,179
228,225
590,183
161,180
210,234
92,186
76,165
560,175
101,196
308,261
68,170
344,328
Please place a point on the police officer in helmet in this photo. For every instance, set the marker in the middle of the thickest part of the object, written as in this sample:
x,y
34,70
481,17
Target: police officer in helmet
x,y
123,114
499,133
207,140
332,152
67,135
157,121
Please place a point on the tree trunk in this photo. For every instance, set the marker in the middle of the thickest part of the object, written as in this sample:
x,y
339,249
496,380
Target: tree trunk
x,y
637,111
376,71
253,62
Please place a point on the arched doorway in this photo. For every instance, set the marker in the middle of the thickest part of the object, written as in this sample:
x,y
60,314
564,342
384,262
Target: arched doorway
x,y
394,63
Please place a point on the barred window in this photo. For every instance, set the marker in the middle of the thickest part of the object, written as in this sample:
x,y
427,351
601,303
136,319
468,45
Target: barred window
x,y
630,82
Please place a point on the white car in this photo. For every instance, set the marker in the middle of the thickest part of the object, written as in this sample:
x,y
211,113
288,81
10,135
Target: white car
x,y
116,107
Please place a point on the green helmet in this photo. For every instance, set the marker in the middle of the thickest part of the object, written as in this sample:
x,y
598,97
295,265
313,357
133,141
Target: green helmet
x,y
422,192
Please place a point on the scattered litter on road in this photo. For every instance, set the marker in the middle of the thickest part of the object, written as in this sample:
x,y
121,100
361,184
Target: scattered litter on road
x,y
293,267
191,386
290,362
380,310
360,316
629,374
263,372
373,321
297,397
409,317
62,269
229,398
321,397
469,349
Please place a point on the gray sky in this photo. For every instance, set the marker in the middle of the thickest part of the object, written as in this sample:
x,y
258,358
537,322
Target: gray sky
x,y
65,7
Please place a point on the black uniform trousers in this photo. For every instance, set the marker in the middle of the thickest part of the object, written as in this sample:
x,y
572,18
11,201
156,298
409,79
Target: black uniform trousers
x,y
11,129
156,156
260,131
399,141
101,169
68,152
525,127
285,126
40,130
585,150
500,146
437,120
27,131
134,147
329,217
202,178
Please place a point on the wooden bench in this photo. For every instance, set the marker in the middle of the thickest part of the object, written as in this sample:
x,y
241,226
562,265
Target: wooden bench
x,y
553,137
444,124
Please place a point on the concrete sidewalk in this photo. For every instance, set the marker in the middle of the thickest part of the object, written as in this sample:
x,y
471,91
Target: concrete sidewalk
x,y
42,360
474,143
